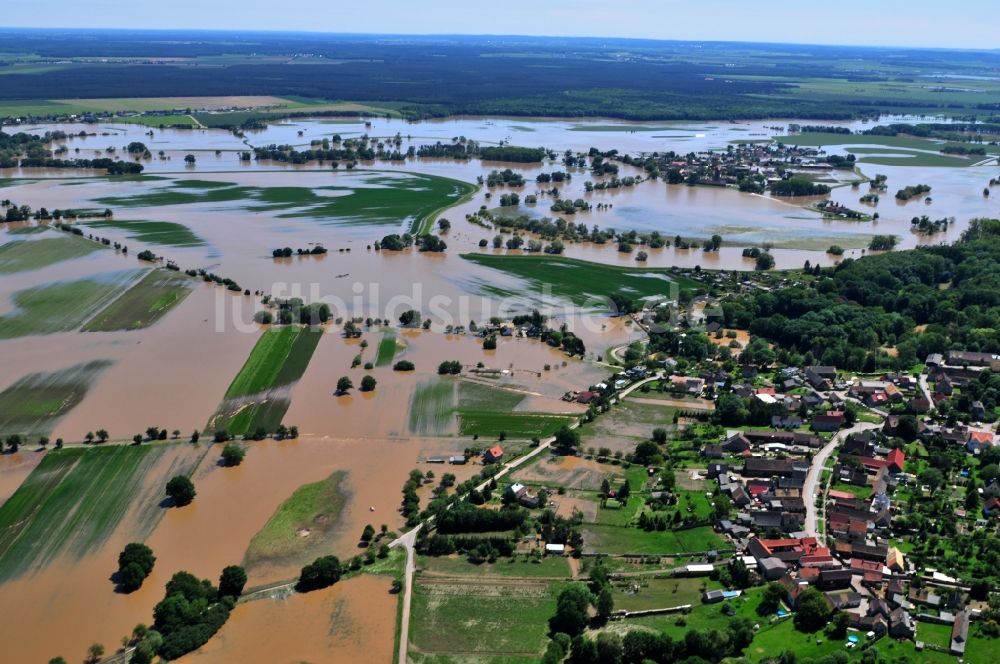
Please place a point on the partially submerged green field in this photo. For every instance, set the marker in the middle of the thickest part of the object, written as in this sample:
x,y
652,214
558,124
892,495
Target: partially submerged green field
x,y
33,405
480,410
143,304
302,528
163,233
576,280
26,255
387,348
62,306
362,198
73,501
259,396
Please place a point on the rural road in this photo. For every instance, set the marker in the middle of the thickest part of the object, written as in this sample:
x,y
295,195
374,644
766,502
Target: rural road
x,y
408,540
816,471
922,380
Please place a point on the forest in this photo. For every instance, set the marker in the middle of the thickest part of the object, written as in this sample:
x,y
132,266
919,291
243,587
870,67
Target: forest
x,y
437,75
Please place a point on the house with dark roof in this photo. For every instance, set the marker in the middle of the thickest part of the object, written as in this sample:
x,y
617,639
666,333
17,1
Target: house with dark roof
x,y
821,377
834,579
767,467
901,625
830,421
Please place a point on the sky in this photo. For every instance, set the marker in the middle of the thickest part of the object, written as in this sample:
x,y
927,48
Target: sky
x,y
926,23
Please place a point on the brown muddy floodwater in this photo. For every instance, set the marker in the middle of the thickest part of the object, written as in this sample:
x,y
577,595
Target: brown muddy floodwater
x,y
351,622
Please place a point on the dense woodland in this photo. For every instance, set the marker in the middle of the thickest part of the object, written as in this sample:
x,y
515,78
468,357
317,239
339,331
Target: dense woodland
x,y
436,76
852,312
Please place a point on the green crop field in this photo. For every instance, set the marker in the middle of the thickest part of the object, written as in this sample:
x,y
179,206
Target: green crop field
x,y
432,407
63,306
256,398
578,280
163,233
72,502
522,567
159,120
387,348
489,423
144,304
33,405
365,198
480,410
492,617
25,255
302,527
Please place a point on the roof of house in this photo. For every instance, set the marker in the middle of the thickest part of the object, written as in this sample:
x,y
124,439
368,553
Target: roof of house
x,y
496,451
896,458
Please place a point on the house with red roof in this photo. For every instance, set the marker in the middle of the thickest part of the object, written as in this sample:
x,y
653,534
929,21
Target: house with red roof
x,y
493,454
896,459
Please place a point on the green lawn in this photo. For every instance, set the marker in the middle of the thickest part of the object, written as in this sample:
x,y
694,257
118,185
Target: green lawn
x,y
62,306
313,510
481,617
33,405
776,638
144,304
25,255
71,503
934,634
578,280
661,593
619,540
163,233
254,398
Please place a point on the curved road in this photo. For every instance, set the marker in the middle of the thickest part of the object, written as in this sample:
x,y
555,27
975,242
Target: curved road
x,y
816,471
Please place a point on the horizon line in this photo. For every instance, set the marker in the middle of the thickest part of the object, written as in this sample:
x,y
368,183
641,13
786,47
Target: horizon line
x,y
264,31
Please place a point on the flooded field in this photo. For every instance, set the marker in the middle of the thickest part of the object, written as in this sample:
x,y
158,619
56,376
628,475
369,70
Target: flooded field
x,y
353,621
84,353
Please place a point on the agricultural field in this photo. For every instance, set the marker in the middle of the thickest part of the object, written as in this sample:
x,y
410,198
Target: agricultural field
x,y
579,281
144,304
160,120
432,407
487,620
27,255
388,346
63,306
479,411
365,198
259,396
43,519
302,527
162,233
625,426
33,405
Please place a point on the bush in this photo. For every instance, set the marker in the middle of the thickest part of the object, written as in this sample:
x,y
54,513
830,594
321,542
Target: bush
x,y
180,490
321,573
135,563
368,384
403,365
232,455
232,581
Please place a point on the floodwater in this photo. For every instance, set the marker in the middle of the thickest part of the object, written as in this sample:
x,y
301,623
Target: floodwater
x,y
174,374
352,621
